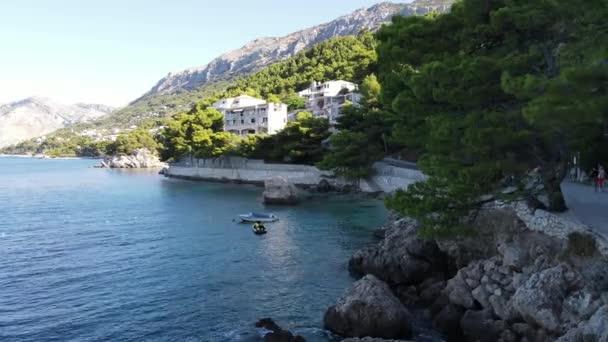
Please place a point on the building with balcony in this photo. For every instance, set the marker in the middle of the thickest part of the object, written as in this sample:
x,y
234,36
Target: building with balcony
x,y
245,115
327,99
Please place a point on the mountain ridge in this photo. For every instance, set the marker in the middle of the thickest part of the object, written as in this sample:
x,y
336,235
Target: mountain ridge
x,y
35,116
261,52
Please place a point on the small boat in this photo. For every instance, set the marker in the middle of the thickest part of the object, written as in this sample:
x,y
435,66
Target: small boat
x,y
258,217
259,230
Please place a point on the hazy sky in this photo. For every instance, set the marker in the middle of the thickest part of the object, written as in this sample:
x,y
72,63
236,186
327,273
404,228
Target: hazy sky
x,y
112,51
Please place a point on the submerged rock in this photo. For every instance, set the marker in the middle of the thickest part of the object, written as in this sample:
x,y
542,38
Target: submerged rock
x,y
369,308
278,190
276,334
141,158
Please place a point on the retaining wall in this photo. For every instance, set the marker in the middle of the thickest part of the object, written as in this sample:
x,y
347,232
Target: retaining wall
x,y
387,178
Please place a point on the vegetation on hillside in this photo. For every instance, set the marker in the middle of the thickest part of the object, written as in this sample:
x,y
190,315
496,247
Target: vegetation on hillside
x,y
349,58
300,142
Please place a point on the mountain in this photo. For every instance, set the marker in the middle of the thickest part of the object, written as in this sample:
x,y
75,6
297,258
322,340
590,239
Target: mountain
x,y
262,52
36,116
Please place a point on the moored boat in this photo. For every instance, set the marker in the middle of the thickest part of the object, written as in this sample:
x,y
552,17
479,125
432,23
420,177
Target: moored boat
x,y
258,217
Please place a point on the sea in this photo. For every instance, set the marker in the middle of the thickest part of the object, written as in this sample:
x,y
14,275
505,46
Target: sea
x,y
92,254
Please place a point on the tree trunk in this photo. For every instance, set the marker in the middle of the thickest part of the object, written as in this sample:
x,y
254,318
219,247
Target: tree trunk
x,y
553,185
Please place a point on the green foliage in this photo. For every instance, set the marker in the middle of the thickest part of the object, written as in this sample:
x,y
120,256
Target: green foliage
x,y
371,90
352,155
348,58
294,102
199,134
125,144
488,92
360,141
300,142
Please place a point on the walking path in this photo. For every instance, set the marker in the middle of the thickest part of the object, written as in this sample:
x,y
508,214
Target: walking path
x,y
588,206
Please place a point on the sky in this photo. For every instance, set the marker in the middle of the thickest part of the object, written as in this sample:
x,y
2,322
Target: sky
x,y
113,51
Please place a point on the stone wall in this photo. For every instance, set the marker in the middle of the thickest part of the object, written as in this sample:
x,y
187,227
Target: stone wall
x,y
387,178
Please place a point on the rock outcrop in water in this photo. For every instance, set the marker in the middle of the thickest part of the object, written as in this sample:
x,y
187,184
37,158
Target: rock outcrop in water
x,y
276,333
369,308
508,283
141,158
278,190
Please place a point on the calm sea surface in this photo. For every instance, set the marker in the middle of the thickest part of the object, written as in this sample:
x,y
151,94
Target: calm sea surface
x,y
103,255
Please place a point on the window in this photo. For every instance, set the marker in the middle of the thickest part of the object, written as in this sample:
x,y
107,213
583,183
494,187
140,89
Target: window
x,y
252,120
242,121
264,119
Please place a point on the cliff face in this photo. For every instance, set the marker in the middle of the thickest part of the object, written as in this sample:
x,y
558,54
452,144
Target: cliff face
x,y
265,51
36,116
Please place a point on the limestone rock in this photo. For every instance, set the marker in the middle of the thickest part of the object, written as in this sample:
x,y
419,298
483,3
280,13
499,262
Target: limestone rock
x,y
369,308
401,257
540,298
141,158
278,190
595,329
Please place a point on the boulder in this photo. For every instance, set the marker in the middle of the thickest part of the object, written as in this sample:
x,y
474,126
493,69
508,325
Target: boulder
x,y
278,190
401,257
595,329
276,333
539,299
369,308
141,158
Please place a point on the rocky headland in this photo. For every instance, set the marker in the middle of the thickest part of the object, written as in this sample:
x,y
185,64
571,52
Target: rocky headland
x,y
527,275
141,158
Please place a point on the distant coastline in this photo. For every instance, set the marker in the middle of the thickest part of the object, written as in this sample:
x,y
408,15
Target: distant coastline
x,y
42,157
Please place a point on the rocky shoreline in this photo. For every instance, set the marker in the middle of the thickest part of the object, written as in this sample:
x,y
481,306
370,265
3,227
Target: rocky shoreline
x,y
140,158
510,282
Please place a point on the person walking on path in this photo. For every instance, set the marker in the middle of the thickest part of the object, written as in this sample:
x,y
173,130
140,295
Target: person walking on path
x,y
601,175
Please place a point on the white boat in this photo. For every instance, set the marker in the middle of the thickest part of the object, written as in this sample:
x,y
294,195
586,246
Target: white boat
x,y
258,217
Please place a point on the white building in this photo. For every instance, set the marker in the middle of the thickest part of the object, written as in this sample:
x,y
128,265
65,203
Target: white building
x,y
327,99
248,115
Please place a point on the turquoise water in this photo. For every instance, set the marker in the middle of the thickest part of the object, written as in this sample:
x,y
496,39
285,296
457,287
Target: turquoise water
x,y
104,255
